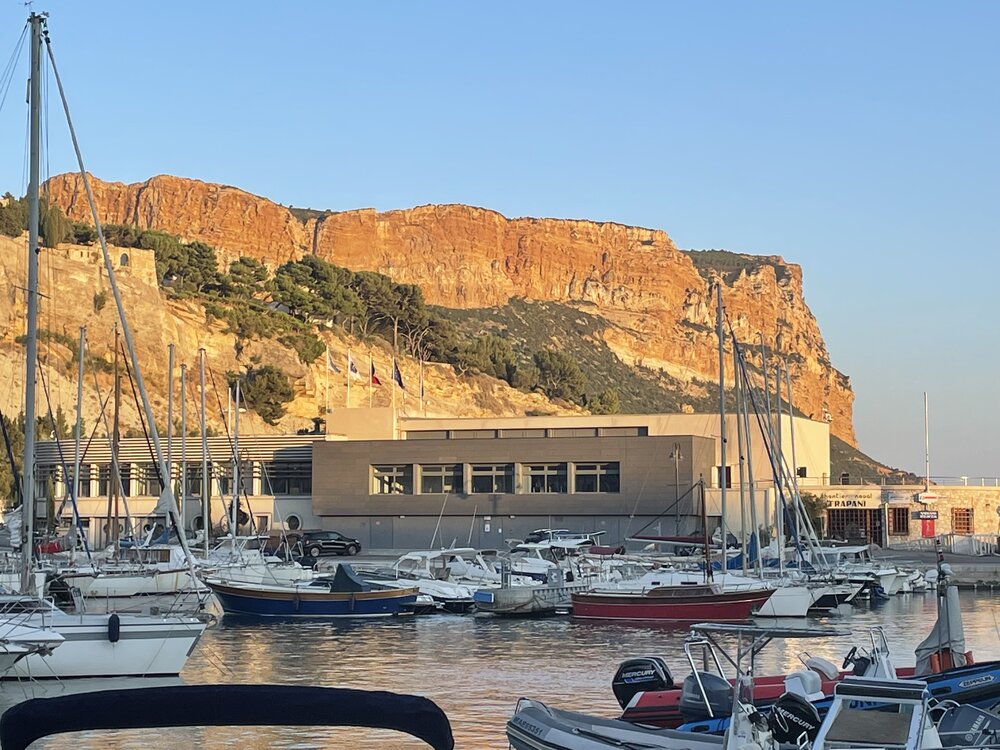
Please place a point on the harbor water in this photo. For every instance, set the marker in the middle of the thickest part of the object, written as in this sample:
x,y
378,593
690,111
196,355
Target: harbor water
x,y
475,667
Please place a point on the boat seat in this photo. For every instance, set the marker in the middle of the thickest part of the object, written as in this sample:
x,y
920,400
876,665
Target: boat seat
x,y
826,668
805,683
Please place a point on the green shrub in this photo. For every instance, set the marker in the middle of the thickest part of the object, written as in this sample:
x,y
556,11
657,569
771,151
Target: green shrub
x,y
266,390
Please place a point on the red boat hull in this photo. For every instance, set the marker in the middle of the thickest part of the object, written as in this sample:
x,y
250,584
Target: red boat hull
x,y
661,708
734,606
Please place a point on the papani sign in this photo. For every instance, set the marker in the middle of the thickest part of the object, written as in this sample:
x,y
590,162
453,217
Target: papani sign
x,y
853,502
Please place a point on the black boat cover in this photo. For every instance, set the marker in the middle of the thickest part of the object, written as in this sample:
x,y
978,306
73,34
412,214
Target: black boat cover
x,y
346,579
224,705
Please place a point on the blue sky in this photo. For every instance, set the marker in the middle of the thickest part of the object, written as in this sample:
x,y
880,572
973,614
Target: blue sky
x,y
857,139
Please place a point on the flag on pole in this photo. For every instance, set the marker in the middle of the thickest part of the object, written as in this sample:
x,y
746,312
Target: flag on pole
x,y
330,363
375,380
352,369
397,375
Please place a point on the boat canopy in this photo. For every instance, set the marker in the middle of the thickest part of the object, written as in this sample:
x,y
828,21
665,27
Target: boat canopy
x,y
224,705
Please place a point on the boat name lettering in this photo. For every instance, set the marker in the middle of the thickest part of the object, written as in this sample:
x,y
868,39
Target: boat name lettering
x,y
986,678
528,726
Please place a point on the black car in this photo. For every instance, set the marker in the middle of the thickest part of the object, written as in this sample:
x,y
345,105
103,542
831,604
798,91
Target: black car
x,y
317,543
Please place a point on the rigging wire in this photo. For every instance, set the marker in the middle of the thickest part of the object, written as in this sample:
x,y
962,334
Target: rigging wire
x,y
72,484
8,72
232,452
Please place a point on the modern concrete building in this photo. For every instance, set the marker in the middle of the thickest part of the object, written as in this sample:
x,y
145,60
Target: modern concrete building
x,y
405,482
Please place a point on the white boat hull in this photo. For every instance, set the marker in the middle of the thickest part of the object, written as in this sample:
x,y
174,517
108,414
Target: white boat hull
x,y
787,601
146,646
107,585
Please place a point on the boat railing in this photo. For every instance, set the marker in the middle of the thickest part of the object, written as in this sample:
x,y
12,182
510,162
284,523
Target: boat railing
x,y
707,649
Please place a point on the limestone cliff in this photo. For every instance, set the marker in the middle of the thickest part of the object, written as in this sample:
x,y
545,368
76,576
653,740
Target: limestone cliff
x,y
655,296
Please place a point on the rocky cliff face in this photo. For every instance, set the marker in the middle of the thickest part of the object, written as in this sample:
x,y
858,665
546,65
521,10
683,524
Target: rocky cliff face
x,y
658,302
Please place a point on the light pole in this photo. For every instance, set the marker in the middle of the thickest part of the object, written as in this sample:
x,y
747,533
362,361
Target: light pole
x,y
676,455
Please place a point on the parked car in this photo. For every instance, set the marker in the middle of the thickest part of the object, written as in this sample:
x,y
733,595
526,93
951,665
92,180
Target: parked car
x,y
317,543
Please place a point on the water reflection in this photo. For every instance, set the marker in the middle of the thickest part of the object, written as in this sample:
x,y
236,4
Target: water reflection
x,y
475,668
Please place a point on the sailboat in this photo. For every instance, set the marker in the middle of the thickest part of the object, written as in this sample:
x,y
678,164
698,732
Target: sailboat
x,y
95,645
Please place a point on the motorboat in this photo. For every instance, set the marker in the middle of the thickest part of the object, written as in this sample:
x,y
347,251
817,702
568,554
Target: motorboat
x,y
141,570
429,572
100,645
344,594
711,602
648,695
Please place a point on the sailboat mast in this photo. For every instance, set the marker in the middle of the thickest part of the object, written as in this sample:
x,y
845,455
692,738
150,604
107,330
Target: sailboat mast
x,y
741,456
37,23
182,501
115,444
927,446
77,430
206,507
236,464
722,418
154,435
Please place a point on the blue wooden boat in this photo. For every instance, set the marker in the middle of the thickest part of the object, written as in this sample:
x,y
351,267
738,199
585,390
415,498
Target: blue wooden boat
x,y
340,595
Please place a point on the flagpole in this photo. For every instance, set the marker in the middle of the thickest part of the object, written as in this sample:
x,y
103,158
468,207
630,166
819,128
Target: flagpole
x,y
393,389
371,385
326,366
349,363
423,406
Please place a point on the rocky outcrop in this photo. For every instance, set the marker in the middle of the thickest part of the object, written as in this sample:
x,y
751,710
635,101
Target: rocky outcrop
x,y
658,301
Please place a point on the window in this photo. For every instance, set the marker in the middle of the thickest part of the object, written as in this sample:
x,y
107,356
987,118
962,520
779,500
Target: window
x,y
624,431
961,521
438,479
802,472
495,478
293,522
149,479
193,484
473,434
603,477
529,433
287,478
899,521
83,490
225,476
728,474
392,479
427,435
263,524
571,432
125,475
546,478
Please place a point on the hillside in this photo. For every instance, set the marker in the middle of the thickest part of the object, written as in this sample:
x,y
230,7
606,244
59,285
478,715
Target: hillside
x,y
650,301
75,293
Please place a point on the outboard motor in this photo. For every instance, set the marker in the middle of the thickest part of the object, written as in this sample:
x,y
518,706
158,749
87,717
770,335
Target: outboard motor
x,y
791,716
718,692
645,673
968,726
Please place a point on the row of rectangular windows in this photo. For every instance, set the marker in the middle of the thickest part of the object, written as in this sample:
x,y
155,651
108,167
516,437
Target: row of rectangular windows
x,y
537,432
549,478
141,480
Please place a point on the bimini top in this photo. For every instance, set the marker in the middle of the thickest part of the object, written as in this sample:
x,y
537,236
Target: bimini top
x,y
224,705
755,631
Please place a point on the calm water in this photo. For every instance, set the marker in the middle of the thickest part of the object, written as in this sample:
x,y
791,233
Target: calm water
x,y
475,668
